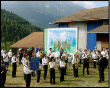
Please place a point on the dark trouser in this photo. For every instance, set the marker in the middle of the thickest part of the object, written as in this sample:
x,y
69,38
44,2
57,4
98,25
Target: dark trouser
x,y
33,73
38,75
86,64
14,66
1,58
3,79
101,75
52,75
65,70
62,74
94,64
45,71
75,71
40,60
20,60
25,77
28,80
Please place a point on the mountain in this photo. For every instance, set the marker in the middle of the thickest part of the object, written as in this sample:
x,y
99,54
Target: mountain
x,y
41,12
14,27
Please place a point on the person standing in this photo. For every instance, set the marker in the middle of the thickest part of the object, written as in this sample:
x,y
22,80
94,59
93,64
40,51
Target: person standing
x,y
6,60
61,51
27,73
39,73
2,52
62,68
95,58
14,65
103,52
86,61
52,70
45,65
10,56
49,53
102,64
3,74
21,55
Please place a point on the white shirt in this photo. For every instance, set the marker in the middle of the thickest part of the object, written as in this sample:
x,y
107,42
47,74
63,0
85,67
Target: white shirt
x,y
103,53
23,60
62,64
51,64
26,70
49,53
74,60
13,59
37,54
6,58
84,55
2,52
10,54
107,56
94,56
44,61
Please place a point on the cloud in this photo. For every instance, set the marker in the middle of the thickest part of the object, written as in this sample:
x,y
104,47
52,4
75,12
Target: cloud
x,y
85,4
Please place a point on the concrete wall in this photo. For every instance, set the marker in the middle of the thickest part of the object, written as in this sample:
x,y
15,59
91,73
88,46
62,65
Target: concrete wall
x,y
82,35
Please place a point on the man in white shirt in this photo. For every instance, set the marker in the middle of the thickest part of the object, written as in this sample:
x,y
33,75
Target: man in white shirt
x,y
45,65
62,68
5,59
85,56
95,58
49,53
103,52
10,56
14,65
2,52
27,73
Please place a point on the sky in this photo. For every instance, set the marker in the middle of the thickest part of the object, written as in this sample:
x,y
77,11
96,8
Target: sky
x,y
91,4
85,4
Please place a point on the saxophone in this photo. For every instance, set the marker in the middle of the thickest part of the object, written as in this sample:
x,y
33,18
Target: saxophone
x,y
76,64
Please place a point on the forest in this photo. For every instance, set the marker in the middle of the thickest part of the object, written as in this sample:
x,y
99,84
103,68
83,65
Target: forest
x,y
14,28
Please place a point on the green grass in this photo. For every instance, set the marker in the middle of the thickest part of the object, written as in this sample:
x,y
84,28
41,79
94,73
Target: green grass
x,y
81,81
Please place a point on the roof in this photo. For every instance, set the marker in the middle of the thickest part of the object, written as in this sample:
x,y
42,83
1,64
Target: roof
x,y
85,15
34,39
100,29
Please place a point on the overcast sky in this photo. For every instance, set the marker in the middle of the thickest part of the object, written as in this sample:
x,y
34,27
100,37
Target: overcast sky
x,y
85,4
91,4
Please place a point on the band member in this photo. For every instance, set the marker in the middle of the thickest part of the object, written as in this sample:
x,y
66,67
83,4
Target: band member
x,y
107,53
61,51
21,55
45,65
3,74
80,56
103,52
52,70
102,64
49,53
62,68
85,56
5,59
39,73
14,65
27,73
76,62
10,56
95,58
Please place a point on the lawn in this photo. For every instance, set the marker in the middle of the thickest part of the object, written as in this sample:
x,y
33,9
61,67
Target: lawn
x,y
71,81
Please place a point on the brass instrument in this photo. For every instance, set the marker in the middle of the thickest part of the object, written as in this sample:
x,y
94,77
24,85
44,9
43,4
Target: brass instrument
x,y
77,63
